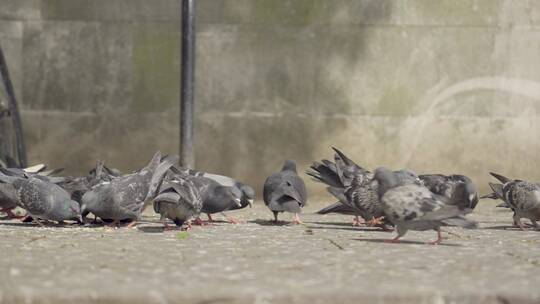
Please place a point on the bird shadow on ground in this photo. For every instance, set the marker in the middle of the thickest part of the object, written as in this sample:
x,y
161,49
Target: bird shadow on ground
x,y
359,229
503,227
262,222
332,224
512,228
406,242
45,225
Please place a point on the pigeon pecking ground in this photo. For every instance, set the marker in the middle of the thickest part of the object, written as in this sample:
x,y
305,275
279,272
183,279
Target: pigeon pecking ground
x,y
324,261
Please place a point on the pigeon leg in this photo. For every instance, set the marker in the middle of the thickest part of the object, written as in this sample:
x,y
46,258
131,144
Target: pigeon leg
x,y
36,220
199,222
439,238
132,224
297,220
375,221
230,219
210,219
114,224
394,240
10,214
384,227
517,220
166,226
275,216
188,227
356,221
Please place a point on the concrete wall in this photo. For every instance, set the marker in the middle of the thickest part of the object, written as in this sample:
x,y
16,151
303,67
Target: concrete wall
x,y
445,86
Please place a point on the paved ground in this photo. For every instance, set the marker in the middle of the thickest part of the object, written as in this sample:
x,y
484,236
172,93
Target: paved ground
x,y
323,262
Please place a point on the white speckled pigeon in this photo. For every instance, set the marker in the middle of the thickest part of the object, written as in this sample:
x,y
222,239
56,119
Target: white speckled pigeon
x,y
8,196
126,196
178,199
338,176
414,207
354,188
43,199
363,194
285,191
523,198
445,185
496,195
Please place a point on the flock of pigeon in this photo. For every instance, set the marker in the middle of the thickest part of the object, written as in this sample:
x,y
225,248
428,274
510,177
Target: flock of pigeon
x,y
400,200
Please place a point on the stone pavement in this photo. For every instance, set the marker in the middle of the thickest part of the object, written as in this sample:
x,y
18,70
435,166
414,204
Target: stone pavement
x,y
324,261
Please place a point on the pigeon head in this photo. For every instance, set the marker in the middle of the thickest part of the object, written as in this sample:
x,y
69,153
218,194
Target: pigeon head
x,y
386,179
406,177
248,194
465,196
69,210
89,201
289,165
236,195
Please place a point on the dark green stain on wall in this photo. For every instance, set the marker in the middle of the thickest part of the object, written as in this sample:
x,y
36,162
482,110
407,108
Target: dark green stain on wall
x,y
156,67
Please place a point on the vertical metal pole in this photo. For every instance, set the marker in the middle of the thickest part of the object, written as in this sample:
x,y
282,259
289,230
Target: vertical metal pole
x,y
14,111
187,155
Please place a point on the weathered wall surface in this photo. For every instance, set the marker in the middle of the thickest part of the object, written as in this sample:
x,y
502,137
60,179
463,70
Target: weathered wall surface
x,y
446,86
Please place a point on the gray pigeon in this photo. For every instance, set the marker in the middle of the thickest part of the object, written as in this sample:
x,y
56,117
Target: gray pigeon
x,y
220,193
178,200
8,199
8,194
217,198
78,186
285,191
445,185
523,198
414,207
126,196
43,199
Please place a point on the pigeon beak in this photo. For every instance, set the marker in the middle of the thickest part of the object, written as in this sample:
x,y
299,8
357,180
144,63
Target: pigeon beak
x,y
250,202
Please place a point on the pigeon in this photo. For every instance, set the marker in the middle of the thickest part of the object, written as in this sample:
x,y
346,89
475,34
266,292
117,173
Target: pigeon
x,y
338,176
364,196
8,194
497,188
43,199
523,197
445,185
285,191
126,196
8,199
178,199
220,193
78,186
217,198
415,207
